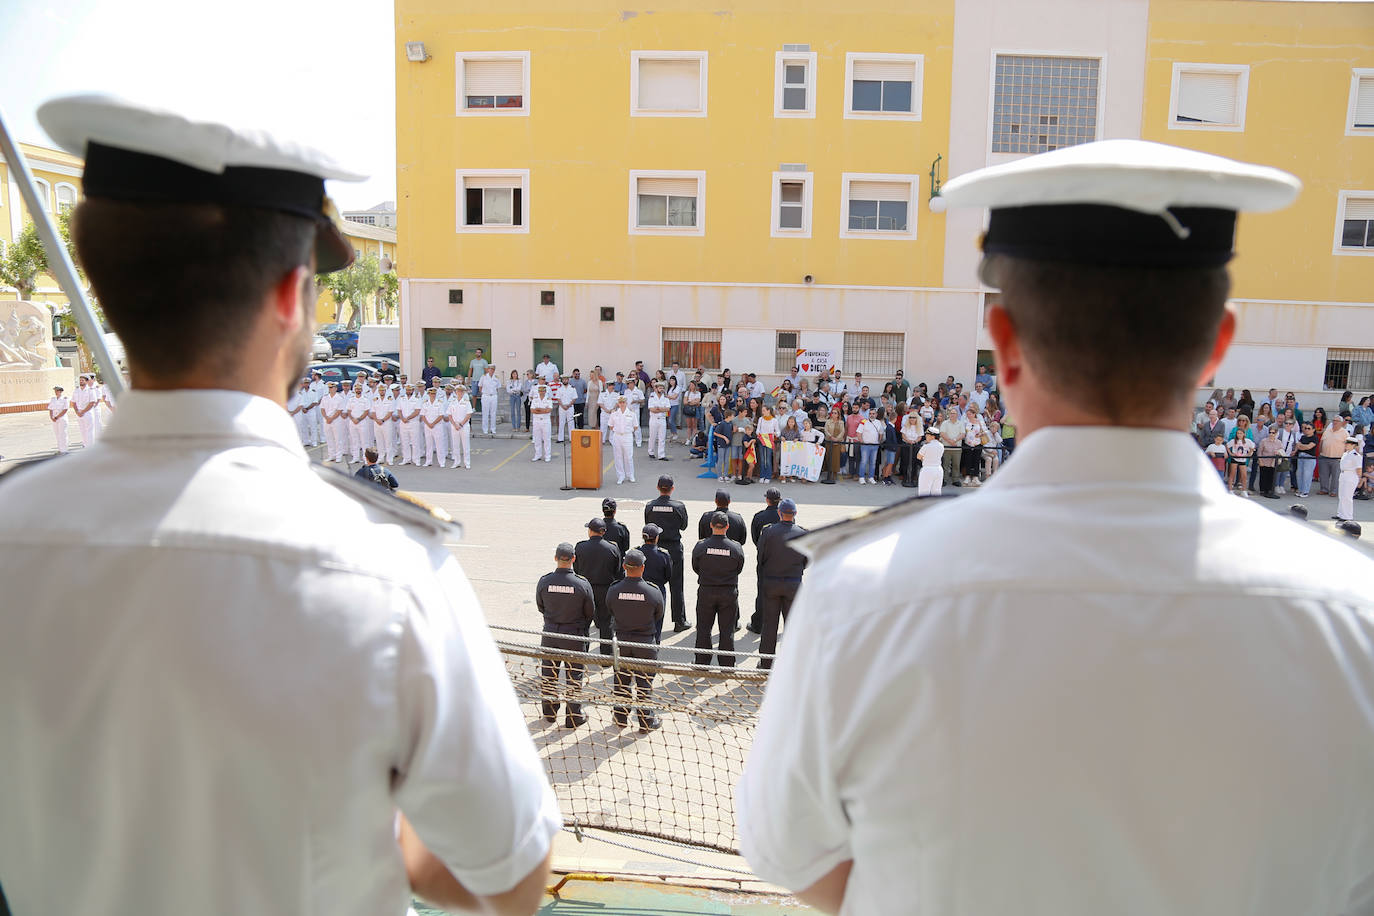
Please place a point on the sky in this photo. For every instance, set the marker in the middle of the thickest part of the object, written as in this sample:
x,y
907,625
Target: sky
x,y
279,65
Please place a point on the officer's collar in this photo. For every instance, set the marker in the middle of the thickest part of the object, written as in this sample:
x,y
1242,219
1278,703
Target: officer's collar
x,y
203,414
1115,455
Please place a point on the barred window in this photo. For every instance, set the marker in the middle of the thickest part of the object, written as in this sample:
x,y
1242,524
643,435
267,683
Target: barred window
x,y
1349,369
692,348
1043,103
786,358
874,355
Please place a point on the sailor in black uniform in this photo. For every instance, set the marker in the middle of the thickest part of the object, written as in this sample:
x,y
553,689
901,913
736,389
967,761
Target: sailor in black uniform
x,y
616,533
637,607
734,530
780,574
658,567
598,561
717,561
761,520
670,515
565,599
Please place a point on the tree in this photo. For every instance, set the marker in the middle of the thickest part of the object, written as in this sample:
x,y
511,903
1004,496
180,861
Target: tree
x,y
354,286
24,261
386,297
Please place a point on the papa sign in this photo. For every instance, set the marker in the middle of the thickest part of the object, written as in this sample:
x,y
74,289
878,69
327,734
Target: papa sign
x,y
815,361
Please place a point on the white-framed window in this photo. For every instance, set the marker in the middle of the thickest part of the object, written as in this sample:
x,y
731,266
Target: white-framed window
x,y
876,206
667,203
1354,223
794,84
668,84
493,200
66,195
1359,116
493,83
791,213
1043,102
1208,97
883,86
44,193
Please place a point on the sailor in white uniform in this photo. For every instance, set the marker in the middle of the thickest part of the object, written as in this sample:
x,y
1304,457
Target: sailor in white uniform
x,y
624,424
635,400
333,411
489,389
459,413
432,415
567,397
295,408
85,402
1129,707
932,475
311,715
408,422
607,405
318,391
1348,481
541,420
380,414
58,406
659,405
359,413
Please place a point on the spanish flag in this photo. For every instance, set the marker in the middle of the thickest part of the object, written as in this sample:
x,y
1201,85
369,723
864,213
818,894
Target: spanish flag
x,y
767,440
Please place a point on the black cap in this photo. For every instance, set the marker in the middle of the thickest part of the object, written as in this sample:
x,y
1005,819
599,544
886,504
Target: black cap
x,y
1299,510
634,558
666,482
598,525
652,531
1350,527
720,520
564,551
722,498
608,504
772,494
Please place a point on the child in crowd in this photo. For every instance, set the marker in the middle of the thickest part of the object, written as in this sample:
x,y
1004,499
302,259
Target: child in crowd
x,y
1217,452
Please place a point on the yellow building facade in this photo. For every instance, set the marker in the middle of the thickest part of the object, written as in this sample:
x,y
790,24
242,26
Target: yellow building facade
x,y
366,240
58,178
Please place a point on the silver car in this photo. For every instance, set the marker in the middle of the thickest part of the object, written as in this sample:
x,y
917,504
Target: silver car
x,y
320,348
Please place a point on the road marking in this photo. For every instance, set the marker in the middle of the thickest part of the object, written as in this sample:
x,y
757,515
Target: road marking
x,y
517,451
610,464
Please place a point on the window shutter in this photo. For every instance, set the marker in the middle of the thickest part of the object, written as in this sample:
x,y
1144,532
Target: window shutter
x,y
885,70
672,187
1207,97
1364,102
493,77
879,190
1359,208
670,85
472,183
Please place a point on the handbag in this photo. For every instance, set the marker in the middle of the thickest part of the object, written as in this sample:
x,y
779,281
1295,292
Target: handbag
x,y
689,410
1283,464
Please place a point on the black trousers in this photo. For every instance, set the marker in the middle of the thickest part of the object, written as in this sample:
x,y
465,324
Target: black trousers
x,y
605,623
717,605
1266,480
678,603
778,595
579,414
550,668
756,618
635,686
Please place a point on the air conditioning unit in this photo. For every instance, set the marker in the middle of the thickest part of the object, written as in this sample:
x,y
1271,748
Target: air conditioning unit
x,y
546,297
608,313
455,297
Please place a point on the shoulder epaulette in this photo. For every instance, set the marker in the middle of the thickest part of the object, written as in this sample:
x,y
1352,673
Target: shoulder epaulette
x,y
827,537
405,506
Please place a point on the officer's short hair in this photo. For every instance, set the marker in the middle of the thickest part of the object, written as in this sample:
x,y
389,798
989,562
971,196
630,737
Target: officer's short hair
x,y
722,498
772,494
608,505
1113,327
216,262
720,520
665,482
634,558
370,454
564,551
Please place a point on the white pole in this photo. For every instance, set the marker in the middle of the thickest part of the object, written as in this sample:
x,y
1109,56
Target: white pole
x,y
59,264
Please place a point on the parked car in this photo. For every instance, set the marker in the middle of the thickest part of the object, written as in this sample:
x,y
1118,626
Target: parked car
x,y
340,371
381,363
342,341
320,348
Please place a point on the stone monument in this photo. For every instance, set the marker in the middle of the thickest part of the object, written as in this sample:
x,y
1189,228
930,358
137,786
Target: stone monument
x,y
28,360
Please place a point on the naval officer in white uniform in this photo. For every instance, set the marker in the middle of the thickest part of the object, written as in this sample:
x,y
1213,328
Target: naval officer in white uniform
x,y
204,699
1130,708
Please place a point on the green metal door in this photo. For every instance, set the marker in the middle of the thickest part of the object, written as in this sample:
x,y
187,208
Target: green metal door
x,y
554,347
454,348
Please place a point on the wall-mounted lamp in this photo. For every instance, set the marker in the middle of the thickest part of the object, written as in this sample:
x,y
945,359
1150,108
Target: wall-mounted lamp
x,y
808,279
415,52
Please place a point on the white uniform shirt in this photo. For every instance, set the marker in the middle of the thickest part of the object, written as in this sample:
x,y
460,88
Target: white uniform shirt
x,y
541,403
359,406
432,410
547,371
608,400
1350,462
58,406
567,396
634,397
624,422
659,400
319,389
84,396
930,454
490,386
334,403
295,402
458,410
1132,710
248,734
